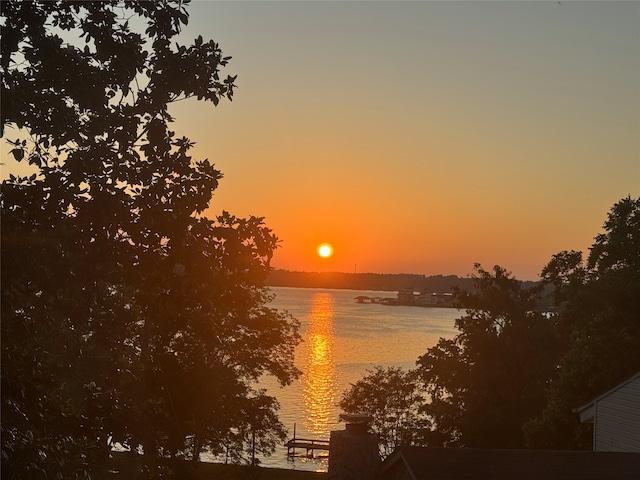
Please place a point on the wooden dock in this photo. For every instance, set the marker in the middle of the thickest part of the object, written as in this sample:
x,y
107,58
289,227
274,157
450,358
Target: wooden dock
x,y
310,445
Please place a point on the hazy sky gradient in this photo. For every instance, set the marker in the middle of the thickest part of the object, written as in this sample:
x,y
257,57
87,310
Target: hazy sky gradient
x,y
421,137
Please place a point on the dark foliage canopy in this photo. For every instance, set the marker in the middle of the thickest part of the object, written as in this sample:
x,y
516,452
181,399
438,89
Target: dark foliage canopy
x,y
393,397
127,315
599,301
513,375
477,389
489,380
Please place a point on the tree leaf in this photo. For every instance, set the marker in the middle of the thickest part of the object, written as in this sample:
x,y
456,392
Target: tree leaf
x,y
18,154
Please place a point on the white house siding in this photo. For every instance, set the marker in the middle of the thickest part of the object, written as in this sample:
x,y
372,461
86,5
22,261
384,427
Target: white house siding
x,y
617,419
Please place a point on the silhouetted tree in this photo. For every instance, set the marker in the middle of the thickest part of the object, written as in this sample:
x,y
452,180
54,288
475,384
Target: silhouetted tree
x,y
127,315
393,397
488,381
512,376
599,320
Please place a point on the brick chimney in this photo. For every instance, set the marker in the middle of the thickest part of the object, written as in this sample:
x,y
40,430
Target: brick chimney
x,y
353,452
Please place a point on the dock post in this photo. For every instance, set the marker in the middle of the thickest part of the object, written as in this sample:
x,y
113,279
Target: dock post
x,y
294,439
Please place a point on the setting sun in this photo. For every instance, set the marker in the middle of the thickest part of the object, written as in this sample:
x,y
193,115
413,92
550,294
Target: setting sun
x,y
325,250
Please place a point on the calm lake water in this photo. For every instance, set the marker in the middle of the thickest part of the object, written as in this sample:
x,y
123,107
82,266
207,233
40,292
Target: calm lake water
x,y
342,340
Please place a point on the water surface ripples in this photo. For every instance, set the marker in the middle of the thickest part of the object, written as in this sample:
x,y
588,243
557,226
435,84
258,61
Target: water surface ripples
x,y
342,340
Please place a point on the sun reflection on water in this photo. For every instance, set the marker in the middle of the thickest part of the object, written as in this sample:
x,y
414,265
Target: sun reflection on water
x,y
319,371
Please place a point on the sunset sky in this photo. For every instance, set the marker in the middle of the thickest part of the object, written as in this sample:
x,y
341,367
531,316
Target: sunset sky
x,y
422,137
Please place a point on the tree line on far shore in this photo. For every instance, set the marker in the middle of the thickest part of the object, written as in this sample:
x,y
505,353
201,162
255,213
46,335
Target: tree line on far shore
x,y
513,375
383,282
387,282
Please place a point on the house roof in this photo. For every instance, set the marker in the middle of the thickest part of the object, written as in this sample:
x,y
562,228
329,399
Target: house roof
x,y
587,411
425,463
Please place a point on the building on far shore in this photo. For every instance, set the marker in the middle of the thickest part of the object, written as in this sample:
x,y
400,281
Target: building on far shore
x,y
433,299
407,297
425,298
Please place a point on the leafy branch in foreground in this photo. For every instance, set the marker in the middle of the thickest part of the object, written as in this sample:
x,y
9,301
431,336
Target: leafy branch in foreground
x,y
127,315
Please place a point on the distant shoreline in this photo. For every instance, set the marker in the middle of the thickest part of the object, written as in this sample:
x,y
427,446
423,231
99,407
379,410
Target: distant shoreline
x,y
381,282
384,282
